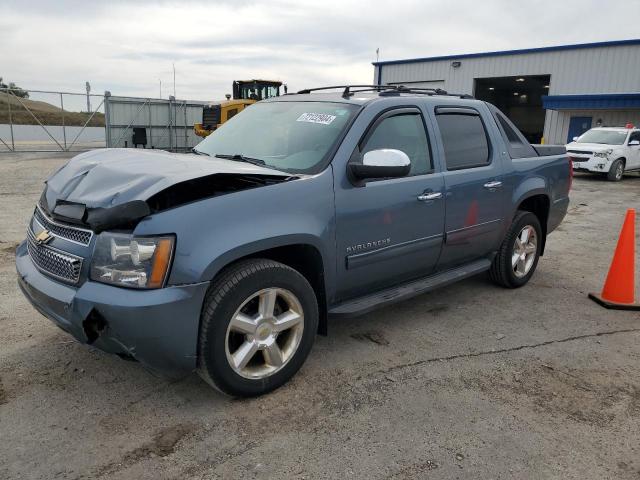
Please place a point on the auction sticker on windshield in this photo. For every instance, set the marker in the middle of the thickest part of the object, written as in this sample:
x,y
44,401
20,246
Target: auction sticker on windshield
x,y
323,118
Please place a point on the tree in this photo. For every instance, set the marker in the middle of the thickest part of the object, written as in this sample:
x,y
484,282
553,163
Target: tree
x,y
13,89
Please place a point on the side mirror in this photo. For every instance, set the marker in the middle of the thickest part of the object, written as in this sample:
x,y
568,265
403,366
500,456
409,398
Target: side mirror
x,y
634,143
575,139
383,163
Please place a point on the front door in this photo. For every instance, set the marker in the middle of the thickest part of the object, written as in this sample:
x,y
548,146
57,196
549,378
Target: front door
x,y
473,187
577,126
633,162
390,230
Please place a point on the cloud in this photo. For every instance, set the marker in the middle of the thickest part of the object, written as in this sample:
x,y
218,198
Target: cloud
x,y
128,47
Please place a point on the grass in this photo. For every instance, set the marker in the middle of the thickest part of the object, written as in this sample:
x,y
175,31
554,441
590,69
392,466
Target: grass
x,y
46,113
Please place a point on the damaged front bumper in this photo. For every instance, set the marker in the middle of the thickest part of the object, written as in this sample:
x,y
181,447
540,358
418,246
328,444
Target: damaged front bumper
x,y
159,328
591,164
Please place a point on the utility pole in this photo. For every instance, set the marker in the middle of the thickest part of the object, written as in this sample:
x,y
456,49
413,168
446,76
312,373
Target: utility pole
x,y
88,86
377,54
174,79
160,87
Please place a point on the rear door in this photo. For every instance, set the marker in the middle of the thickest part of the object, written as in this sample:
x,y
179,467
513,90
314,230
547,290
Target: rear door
x,y
390,230
473,186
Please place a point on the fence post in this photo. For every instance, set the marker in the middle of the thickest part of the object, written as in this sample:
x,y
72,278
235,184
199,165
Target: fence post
x,y
64,128
171,117
150,124
107,119
186,132
13,145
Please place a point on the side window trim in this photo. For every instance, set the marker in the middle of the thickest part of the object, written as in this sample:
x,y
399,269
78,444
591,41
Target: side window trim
x,y
457,111
392,112
468,111
520,149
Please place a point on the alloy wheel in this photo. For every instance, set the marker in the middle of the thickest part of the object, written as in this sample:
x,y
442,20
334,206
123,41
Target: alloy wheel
x,y
264,333
525,249
619,171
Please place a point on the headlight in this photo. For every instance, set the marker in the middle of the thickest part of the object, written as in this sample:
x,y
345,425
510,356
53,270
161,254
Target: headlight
x,y
135,262
603,154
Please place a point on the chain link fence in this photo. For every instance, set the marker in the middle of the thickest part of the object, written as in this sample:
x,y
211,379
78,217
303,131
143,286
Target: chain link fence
x,y
50,121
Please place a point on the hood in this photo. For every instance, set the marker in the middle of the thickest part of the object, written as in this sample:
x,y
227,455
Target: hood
x,y
591,147
150,180
105,178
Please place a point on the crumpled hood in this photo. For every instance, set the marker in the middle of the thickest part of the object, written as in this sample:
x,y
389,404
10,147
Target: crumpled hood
x,y
106,178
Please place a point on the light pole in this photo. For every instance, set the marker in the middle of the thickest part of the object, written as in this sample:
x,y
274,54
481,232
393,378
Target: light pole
x,y
174,79
160,87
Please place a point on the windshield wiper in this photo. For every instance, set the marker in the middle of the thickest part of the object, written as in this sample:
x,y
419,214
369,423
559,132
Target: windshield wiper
x,y
241,158
199,152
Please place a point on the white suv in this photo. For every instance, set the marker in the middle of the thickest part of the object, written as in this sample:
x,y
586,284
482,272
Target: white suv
x,y
610,150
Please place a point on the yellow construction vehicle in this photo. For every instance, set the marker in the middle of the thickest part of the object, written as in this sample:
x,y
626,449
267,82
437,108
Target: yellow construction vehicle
x,y
245,93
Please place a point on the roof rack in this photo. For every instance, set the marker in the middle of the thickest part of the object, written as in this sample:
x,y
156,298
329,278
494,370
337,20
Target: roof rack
x,y
385,90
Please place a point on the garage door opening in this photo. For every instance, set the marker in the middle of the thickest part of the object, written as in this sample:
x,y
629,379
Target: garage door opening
x,y
520,98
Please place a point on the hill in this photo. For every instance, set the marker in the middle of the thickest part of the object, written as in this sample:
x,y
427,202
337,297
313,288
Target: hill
x,y
45,112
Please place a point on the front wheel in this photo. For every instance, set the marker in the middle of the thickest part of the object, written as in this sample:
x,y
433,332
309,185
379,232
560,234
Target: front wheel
x,y
258,325
616,171
518,256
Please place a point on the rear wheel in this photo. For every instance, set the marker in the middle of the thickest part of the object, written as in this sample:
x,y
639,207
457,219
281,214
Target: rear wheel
x,y
518,256
616,171
258,325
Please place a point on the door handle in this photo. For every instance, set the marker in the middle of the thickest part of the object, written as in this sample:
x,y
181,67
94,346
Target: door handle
x,y
493,184
425,197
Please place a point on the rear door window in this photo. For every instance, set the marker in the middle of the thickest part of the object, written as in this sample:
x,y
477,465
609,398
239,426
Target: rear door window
x,y
465,140
517,144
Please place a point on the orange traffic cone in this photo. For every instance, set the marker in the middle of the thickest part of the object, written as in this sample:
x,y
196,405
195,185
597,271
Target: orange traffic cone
x,y
619,288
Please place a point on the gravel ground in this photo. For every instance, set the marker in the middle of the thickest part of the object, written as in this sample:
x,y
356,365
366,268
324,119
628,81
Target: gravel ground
x,y
471,381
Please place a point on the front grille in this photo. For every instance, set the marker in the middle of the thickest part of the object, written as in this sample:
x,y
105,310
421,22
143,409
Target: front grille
x,y
579,152
54,262
72,234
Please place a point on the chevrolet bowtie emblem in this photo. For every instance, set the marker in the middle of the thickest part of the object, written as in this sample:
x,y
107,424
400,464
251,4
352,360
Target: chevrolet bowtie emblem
x,y
43,237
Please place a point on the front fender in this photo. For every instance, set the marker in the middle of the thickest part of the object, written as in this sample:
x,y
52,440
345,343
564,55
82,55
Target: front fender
x,y
213,232
250,249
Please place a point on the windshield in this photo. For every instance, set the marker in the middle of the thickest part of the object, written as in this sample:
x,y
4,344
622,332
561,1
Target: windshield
x,y
606,137
294,137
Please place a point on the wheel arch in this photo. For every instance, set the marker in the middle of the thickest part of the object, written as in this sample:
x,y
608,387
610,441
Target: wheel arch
x,y
539,204
303,254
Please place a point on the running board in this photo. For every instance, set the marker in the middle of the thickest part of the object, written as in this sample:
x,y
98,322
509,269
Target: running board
x,y
361,305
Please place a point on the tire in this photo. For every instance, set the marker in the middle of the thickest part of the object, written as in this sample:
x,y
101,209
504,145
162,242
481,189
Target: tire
x,y
503,271
241,358
616,171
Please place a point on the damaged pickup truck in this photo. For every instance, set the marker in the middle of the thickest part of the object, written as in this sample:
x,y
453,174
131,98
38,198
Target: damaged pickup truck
x,y
229,260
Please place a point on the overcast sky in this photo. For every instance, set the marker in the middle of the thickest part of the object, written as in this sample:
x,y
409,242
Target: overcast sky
x,y
127,47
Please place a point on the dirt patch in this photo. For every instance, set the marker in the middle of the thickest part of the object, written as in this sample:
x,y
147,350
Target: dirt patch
x,y
8,251
162,444
417,470
437,308
587,396
372,336
3,394
9,247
